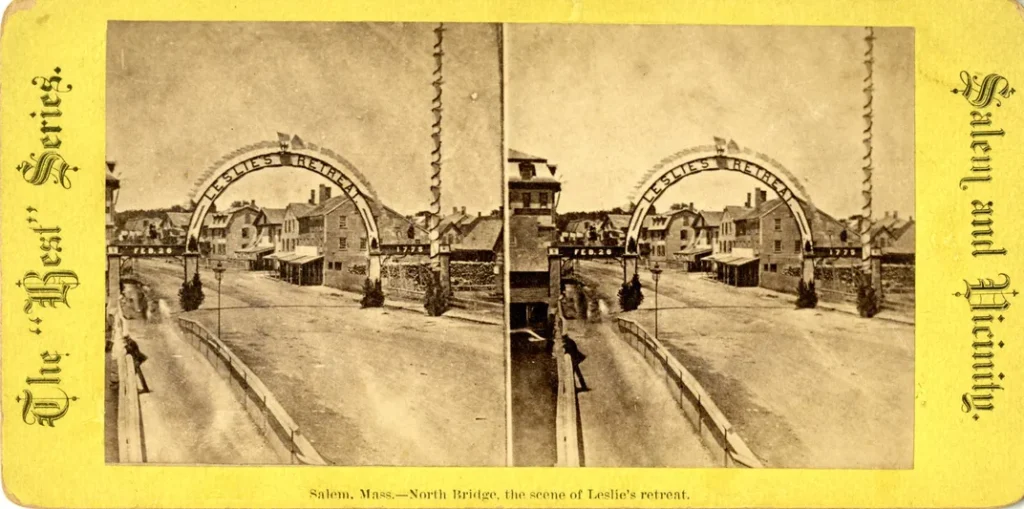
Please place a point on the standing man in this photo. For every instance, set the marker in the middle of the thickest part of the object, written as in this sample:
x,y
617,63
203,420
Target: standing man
x,y
577,357
132,348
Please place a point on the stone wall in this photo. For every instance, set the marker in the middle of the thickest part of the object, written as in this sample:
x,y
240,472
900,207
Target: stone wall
x,y
473,275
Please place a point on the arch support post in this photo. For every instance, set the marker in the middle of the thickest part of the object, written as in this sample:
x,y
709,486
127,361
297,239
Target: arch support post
x,y
807,274
191,265
113,278
629,265
373,271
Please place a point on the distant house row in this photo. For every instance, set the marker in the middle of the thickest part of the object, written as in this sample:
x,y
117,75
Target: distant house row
x,y
741,244
321,241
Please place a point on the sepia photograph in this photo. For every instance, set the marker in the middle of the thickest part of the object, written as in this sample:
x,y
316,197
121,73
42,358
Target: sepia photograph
x,y
305,244
711,248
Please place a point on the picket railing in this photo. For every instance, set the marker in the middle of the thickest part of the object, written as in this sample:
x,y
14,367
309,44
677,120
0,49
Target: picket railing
x,y
270,417
710,423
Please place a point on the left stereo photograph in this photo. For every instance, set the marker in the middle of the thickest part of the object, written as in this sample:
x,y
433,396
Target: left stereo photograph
x,y
304,244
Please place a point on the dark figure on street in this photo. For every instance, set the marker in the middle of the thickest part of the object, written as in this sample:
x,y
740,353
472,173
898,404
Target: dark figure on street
x,y
132,348
577,357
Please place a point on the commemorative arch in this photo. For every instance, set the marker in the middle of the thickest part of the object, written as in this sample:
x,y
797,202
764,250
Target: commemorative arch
x,y
251,159
294,154
711,158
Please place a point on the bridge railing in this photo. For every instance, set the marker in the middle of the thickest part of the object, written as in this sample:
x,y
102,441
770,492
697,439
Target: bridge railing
x,y
711,424
266,412
567,412
130,448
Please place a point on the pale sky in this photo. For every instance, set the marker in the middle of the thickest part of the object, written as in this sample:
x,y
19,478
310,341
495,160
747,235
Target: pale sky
x,y
182,95
607,103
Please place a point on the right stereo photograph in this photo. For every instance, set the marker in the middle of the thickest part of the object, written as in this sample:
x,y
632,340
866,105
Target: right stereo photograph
x,y
711,246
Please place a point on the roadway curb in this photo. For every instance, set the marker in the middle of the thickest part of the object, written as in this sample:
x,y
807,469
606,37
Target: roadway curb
x,y
413,308
878,316
465,318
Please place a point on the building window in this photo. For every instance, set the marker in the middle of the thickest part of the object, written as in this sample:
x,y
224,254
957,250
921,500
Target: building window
x,y
343,222
778,246
245,233
543,197
526,200
766,267
778,224
773,268
362,242
796,246
682,234
342,243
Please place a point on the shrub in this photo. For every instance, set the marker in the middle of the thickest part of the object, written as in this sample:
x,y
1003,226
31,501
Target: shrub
x,y
190,296
867,299
436,299
631,294
373,294
806,296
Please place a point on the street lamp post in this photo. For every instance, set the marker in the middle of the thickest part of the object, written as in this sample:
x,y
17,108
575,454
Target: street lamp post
x,y
218,272
655,273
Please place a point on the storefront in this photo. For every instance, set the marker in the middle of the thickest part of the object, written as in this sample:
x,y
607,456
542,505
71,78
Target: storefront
x,y
299,269
256,257
694,259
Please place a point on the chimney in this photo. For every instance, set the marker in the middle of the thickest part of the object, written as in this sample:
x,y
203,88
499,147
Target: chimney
x,y
691,206
764,196
479,213
463,210
312,196
887,214
747,204
325,193
526,170
253,203
455,210
759,197
895,214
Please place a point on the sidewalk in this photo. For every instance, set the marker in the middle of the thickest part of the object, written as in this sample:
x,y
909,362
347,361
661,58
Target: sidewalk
x,y
628,416
191,415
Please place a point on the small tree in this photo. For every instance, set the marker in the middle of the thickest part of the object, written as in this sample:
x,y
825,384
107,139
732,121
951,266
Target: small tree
x,y
191,296
436,299
806,296
867,299
631,294
373,294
